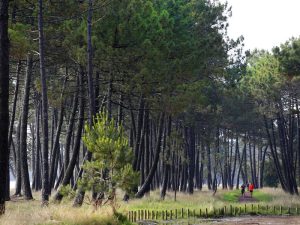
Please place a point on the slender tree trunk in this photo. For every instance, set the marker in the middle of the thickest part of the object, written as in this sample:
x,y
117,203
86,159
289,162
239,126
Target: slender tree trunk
x,y
191,157
167,161
120,110
234,163
70,167
23,132
18,161
45,164
38,168
209,177
4,96
11,125
80,193
153,169
138,134
70,129
272,144
56,147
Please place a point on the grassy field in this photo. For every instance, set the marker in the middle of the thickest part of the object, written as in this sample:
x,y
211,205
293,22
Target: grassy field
x,y
205,199
29,212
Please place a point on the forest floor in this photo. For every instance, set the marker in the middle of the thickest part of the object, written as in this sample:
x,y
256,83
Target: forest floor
x,y
21,212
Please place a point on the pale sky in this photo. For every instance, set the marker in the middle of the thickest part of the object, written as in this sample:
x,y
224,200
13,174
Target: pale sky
x,y
264,23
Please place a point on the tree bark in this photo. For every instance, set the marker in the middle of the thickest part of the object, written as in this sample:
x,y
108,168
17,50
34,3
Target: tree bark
x,y
56,147
11,124
23,132
45,164
191,157
4,96
80,193
70,129
153,169
167,162
70,167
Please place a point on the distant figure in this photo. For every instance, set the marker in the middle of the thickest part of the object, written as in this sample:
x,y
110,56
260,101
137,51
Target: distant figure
x,y
126,198
251,188
247,185
243,187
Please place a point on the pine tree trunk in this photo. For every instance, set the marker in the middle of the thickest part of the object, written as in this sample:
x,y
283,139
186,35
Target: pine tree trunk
x,y
56,147
70,167
191,157
4,96
80,193
45,164
209,177
167,161
37,185
11,124
70,129
23,131
18,160
153,169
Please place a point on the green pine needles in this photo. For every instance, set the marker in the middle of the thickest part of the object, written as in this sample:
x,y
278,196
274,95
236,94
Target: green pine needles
x,y
111,166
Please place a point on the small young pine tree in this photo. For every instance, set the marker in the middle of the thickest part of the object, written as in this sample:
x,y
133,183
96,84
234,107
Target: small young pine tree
x,y
111,166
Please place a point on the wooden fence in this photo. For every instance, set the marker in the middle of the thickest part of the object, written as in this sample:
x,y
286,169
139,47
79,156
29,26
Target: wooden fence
x,y
247,209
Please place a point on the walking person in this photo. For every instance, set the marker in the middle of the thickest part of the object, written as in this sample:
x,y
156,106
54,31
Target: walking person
x,y
243,187
251,188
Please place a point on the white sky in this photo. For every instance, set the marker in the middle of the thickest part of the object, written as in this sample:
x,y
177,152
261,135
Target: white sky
x,y
264,23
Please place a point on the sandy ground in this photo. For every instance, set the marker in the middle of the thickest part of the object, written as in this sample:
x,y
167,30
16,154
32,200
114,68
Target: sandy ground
x,y
249,220
263,220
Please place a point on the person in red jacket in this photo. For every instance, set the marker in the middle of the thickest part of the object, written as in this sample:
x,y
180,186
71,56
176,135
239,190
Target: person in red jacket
x,y
251,188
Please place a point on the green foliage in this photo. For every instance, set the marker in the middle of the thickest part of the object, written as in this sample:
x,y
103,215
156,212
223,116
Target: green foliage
x,y
67,191
110,167
288,54
20,40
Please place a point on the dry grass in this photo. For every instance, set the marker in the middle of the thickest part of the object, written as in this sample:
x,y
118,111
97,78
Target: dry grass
x,y
22,212
30,212
282,198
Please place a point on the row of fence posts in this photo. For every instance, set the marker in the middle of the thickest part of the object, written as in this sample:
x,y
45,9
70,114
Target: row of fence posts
x,y
139,215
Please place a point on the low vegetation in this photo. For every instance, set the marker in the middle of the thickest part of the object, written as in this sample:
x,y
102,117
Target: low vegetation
x,y
21,212
205,199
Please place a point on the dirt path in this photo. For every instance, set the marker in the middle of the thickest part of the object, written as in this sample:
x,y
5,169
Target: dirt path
x,y
247,198
242,220
263,220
